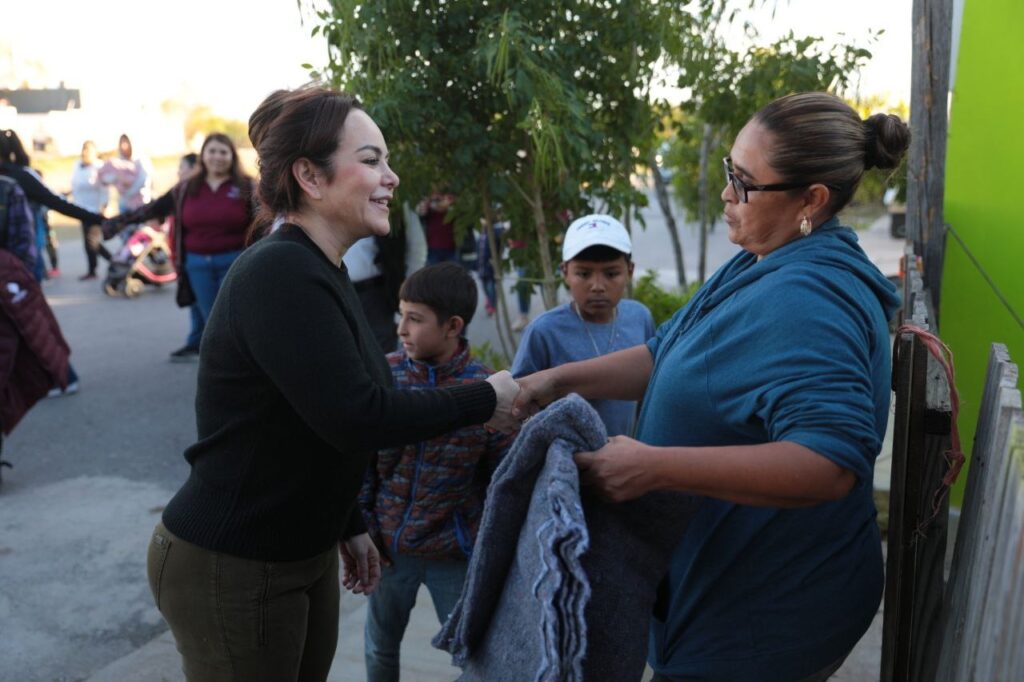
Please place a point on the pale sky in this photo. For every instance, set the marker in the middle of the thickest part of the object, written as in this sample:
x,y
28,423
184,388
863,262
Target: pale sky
x,y
228,54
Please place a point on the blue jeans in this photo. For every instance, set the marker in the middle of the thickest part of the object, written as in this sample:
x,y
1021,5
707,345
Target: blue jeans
x,y
205,273
435,255
390,604
195,332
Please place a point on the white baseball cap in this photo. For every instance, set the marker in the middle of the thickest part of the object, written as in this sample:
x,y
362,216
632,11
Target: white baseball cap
x,y
595,230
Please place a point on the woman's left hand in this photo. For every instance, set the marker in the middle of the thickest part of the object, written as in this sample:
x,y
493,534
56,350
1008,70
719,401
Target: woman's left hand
x,y
619,471
361,563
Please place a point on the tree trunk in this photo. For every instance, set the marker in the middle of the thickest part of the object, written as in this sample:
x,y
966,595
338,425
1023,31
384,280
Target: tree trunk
x,y
702,200
926,165
661,191
548,290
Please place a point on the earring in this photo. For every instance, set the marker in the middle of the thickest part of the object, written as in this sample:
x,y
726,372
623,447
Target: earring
x,y
805,227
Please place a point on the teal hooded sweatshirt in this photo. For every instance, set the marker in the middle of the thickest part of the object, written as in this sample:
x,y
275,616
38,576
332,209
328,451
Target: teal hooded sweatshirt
x,y
794,347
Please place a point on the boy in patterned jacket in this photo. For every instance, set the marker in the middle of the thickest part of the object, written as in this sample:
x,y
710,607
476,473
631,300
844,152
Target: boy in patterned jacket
x,y
422,503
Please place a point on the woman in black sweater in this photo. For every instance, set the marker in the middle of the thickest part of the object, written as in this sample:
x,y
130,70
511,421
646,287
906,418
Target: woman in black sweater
x,y
294,395
14,163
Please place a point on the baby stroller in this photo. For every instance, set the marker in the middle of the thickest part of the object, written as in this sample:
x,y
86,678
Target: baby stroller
x,y
145,258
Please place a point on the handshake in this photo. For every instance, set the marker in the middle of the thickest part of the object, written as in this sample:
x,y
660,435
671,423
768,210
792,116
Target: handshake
x,y
518,400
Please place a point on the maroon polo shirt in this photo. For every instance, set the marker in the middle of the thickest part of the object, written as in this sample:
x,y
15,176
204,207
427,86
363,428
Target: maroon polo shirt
x,y
215,221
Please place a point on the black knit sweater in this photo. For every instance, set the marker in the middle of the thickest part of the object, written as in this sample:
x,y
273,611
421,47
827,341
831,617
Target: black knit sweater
x,y
294,395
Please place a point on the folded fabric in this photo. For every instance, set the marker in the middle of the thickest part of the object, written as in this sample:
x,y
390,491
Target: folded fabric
x,y
559,588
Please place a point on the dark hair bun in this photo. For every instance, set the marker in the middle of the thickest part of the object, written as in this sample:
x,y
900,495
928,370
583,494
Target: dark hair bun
x,y
887,140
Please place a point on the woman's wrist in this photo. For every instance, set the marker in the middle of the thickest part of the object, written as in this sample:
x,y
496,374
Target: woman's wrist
x,y
664,470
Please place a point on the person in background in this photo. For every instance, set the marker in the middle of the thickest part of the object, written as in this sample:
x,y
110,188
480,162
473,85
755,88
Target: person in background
x,y
422,503
596,265
186,166
212,211
90,193
440,232
378,265
130,175
14,163
293,398
33,352
485,270
767,397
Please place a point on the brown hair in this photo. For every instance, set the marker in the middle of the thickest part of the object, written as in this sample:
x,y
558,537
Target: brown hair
x,y
238,177
120,142
289,125
819,138
446,288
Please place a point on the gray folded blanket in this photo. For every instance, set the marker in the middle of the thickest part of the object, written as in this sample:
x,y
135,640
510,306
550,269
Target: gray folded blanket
x,y
558,589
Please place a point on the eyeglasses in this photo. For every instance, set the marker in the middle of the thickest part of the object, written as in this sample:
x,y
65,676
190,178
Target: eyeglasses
x,y
741,188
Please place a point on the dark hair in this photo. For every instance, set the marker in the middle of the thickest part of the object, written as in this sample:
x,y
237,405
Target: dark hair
x,y
819,138
124,138
289,125
191,159
446,288
238,176
12,150
600,253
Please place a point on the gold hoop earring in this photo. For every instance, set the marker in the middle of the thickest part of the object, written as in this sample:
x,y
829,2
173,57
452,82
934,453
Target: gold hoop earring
x,y
805,227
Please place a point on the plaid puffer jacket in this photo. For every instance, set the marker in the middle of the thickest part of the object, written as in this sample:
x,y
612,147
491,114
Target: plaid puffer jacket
x,y
426,499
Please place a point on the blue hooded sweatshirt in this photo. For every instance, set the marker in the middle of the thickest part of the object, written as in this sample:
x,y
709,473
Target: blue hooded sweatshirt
x,y
794,347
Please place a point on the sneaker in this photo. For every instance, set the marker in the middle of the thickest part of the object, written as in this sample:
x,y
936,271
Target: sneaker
x,y
185,354
87,276
520,324
53,273
56,392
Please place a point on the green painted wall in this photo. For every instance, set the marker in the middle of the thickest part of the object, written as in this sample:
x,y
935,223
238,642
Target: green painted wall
x,y
984,200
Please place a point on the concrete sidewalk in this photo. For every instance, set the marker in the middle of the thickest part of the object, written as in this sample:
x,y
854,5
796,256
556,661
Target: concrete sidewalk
x,y
158,660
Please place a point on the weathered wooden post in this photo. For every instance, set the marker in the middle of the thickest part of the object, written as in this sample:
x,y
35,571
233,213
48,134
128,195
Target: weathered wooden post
x,y
915,584
926,165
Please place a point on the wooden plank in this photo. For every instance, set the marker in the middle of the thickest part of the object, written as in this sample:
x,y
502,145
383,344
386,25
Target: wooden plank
x,y
905,489
895,558
929,548
1012,652
971,559
929,88
991,614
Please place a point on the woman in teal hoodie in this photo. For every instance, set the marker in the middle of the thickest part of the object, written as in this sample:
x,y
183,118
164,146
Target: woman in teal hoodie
x,y
767,397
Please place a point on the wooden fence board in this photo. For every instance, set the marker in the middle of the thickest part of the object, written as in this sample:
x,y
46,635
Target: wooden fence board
x,y
914,606
993,659
970,576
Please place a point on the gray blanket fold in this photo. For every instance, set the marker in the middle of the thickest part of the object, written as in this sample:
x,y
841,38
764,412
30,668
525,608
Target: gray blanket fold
x,y
558,589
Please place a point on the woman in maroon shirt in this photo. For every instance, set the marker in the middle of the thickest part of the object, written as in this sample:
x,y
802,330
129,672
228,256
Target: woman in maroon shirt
x,y
212,211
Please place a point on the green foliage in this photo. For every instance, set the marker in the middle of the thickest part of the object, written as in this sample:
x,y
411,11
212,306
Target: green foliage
x,y
533,107
729,87
662,304
491,357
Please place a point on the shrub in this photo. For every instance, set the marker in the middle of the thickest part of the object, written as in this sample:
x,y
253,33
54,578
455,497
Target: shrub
x,y
662,304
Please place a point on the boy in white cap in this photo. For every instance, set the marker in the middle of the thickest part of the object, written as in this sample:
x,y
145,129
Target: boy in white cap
x,y
596,266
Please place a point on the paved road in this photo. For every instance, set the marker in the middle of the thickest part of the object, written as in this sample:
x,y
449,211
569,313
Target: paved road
x,y
93,470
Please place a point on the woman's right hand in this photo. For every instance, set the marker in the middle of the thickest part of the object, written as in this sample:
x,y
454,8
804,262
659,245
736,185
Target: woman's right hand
x,y
360,563
506,389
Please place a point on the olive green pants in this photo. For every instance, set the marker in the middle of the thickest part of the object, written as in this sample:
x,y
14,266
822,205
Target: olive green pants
x,y
238,620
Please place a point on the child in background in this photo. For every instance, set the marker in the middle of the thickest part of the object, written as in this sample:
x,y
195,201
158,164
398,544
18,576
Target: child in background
x,y
422,503
190,351
596,266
